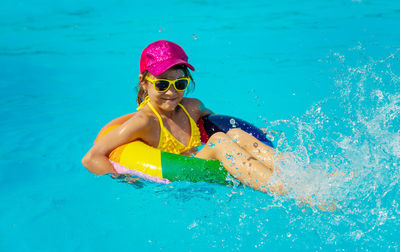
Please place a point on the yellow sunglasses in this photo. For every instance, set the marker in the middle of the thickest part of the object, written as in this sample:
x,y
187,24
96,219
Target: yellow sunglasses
x,y
162,85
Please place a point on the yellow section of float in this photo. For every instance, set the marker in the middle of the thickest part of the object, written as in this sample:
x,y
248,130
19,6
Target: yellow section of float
x,y
140,157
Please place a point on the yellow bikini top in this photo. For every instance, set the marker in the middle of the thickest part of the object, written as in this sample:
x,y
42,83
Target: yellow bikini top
x,y
168,142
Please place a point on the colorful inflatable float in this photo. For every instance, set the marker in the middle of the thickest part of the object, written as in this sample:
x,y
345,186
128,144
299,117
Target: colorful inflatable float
x,y
141,160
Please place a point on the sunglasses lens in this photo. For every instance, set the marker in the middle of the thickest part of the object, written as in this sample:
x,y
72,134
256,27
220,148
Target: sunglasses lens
x,y
181,85
161,85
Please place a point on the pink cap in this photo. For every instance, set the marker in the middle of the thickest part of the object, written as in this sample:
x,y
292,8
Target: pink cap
x,y
161,55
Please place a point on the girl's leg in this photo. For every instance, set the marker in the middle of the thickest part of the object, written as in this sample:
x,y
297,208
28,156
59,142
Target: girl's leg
x,y
239,162
255,147
256,159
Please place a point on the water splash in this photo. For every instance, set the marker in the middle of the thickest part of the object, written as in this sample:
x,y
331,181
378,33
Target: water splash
x,y
347,146
345,150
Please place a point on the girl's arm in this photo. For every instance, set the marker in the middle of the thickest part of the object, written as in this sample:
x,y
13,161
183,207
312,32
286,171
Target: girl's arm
x,y
96,160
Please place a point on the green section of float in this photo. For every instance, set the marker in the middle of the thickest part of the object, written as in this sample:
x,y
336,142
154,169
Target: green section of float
x,y
178,168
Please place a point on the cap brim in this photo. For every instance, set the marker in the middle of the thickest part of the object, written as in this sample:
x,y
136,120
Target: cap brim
x,y
164,66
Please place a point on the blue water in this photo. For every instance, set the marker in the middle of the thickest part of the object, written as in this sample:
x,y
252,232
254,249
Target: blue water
x,y
321,77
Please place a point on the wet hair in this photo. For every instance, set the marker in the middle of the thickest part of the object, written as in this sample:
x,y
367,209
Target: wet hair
x,y
141,92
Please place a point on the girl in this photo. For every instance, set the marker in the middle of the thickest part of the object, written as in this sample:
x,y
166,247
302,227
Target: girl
x,y
167,121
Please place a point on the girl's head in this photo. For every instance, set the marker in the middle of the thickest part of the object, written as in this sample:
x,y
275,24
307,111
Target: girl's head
x,y
162,60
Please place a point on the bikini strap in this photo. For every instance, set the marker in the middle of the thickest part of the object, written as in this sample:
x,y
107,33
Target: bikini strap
x,y
180,105
147,101
157,114
194,129
143,103
161,123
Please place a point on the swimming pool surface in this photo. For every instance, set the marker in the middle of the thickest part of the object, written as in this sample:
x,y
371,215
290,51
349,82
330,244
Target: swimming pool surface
x,y
322,77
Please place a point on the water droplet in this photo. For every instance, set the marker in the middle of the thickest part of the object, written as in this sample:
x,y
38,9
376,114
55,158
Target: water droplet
x,y
194,224
232,122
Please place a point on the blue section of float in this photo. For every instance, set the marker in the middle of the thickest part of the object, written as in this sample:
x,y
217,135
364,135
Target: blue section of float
x,y
223,123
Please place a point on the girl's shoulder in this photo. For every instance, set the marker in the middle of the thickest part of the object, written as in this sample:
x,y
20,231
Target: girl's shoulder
x,y
142,119
196,107
191,102
141,125
192,105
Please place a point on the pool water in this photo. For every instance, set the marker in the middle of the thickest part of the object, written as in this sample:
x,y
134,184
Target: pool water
x,y
322,78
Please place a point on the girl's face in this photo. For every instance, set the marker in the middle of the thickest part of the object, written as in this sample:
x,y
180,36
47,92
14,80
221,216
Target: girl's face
x,y
169,99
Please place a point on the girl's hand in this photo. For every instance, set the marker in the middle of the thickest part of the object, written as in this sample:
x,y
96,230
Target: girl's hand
x,y
191,153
